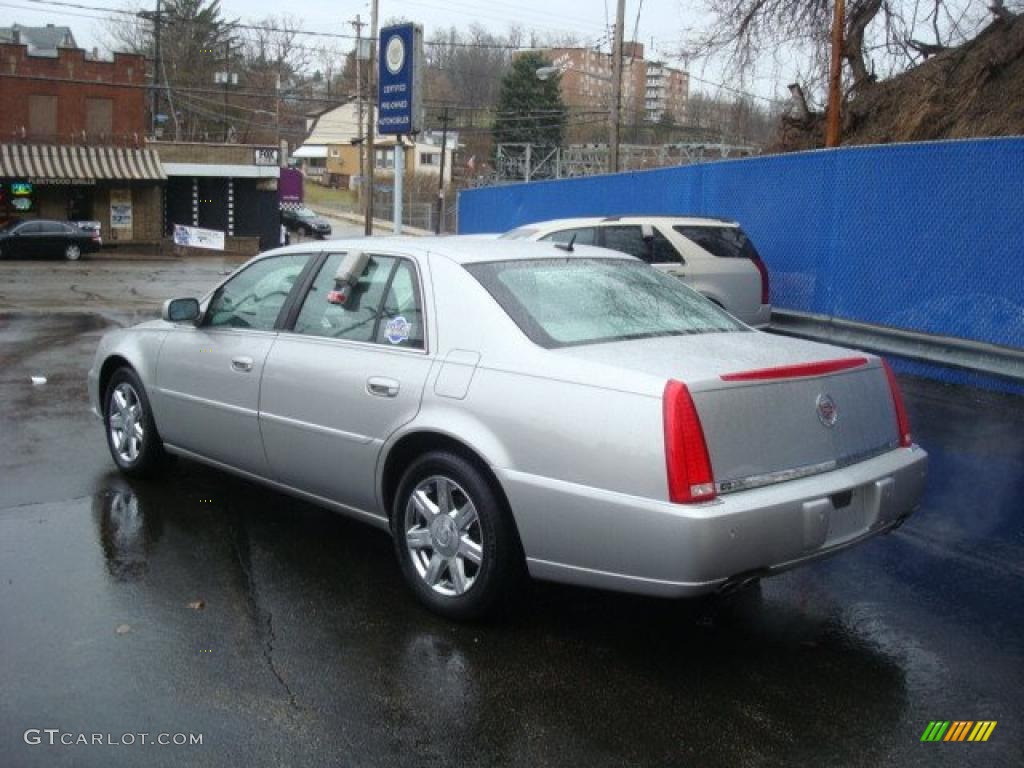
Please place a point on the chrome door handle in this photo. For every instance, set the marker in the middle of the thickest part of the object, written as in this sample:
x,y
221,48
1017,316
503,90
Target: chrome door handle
x,y
242,364
382,387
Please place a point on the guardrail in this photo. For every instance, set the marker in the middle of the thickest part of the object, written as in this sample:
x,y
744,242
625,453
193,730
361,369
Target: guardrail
x,y
949,351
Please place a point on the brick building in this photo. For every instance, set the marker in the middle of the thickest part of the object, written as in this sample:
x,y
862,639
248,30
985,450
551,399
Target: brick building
x,y
587,79
668,91
72,138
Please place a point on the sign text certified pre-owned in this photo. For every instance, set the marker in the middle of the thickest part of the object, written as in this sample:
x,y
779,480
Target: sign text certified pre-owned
x,y
398,78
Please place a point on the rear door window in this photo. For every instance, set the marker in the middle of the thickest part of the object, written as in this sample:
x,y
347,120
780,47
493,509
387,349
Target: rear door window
x,y
401,322
630,239
583,235
724,242
383,307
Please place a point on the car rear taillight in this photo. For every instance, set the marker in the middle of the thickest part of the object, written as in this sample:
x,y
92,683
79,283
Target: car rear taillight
x,y
902,422
765,287
690,478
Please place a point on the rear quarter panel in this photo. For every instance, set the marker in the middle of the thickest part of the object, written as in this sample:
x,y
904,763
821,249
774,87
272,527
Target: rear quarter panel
x,y
735,284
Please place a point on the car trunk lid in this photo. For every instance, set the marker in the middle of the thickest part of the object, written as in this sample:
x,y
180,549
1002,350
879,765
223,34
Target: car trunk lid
x,y
771,408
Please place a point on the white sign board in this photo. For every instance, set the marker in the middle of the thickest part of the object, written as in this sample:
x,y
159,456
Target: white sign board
x,y
194,237
266,156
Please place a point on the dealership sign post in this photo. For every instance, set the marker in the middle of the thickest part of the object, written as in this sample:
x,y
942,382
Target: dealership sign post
x,y
399,95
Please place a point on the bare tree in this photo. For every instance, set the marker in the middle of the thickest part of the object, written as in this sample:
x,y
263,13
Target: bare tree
x,y
881,37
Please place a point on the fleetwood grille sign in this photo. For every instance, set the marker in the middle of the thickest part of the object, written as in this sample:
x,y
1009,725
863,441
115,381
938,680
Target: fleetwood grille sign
x,y
399,67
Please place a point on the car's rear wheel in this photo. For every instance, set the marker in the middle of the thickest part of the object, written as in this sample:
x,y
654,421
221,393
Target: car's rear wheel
x,y
73,252
132,438
454,538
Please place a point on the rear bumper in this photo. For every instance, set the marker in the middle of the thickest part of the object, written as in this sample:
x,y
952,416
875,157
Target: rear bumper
x,y
595,538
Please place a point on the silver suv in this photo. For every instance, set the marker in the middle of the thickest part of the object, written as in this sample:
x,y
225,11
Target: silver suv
x,y
713,256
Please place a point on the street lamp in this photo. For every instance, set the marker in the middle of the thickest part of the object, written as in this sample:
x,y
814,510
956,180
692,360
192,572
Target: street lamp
x,y
546,73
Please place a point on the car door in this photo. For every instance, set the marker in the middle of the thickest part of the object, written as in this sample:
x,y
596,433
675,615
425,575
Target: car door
x,y
27,240
53,239
208,377
346,376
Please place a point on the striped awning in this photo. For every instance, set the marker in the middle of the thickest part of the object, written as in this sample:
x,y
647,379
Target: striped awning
x,y
48,162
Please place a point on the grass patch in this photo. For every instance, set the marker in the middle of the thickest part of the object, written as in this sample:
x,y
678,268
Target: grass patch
x,y
339,199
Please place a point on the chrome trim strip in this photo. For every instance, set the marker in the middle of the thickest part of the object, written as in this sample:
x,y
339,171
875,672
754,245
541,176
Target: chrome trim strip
x,y
316,428
783,475
621,576
208,403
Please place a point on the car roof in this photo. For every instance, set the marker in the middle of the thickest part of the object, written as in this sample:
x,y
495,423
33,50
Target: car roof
x,y
590,221
462,250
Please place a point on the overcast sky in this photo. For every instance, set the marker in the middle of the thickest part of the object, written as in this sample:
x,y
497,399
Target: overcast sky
x,y
660,21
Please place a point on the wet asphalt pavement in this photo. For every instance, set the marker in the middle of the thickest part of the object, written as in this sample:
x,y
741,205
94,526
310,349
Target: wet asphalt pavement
x,y
306,648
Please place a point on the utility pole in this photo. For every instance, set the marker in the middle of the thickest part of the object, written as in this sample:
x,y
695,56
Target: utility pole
x,y
833,122
440,181
371,85
227,82
155,104
613,144
358,24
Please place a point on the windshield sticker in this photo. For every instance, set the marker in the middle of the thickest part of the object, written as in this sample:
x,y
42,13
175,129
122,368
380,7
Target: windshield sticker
x,y
397,330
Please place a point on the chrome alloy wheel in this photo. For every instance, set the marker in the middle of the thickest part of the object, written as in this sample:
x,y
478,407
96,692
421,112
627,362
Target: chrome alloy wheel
x,y
443,535
124,418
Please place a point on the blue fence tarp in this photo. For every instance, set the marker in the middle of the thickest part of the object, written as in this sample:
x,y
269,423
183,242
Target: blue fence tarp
x,y
927,237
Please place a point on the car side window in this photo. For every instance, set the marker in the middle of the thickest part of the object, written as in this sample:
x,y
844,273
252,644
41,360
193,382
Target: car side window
x,y
630,239
662,251
54,228
32,228
254,297
401,322
354,317
584,236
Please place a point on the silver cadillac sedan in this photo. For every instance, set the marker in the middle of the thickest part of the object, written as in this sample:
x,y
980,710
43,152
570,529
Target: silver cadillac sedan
x,y
503,406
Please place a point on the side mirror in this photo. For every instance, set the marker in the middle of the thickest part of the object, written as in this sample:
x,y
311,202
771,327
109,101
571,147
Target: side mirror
x,y
180,310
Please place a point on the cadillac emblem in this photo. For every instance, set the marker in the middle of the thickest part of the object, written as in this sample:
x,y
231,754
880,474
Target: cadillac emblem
x,y
828,414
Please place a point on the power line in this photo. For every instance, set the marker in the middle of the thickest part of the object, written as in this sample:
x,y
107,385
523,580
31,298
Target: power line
x,y
270,28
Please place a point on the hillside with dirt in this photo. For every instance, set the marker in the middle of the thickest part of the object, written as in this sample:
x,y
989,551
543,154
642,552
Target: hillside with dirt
x,y
974,90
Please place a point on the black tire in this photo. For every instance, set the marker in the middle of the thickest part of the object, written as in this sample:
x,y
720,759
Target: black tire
x,y
149,455
72,252
501,560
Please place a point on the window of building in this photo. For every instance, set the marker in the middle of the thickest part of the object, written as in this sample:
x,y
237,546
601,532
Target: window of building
x,y
99,117
385,158
42,116
430,158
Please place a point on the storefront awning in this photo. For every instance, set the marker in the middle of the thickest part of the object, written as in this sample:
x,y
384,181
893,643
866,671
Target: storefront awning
x,y
48,162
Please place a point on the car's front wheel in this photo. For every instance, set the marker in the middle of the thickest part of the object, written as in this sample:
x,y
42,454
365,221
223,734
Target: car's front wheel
x,y
132,438
73,252
455,540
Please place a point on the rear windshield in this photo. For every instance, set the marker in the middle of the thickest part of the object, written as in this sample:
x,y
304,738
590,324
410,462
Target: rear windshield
x,y
520,233
572,301
725,242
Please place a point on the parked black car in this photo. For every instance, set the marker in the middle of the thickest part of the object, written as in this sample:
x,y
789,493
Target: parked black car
x,y
41,237
305,222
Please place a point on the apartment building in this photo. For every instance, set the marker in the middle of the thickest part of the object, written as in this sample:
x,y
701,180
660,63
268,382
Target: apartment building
x,y
667,93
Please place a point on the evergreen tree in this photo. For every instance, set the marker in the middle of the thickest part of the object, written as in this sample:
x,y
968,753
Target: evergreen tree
x,y
529,110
